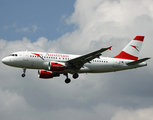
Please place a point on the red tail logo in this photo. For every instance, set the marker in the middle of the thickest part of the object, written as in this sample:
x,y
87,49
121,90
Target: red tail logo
x,y
135,47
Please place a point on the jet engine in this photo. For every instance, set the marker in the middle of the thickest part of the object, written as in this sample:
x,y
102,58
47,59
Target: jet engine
x,y
47,74
56,66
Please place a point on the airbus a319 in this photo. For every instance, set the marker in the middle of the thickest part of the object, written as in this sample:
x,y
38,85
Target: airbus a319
x,y
50,65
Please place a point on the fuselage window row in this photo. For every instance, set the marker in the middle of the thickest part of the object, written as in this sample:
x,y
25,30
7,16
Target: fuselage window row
x,y
61,58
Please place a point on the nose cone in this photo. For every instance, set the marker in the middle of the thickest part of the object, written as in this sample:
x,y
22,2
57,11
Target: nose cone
x,y
5,60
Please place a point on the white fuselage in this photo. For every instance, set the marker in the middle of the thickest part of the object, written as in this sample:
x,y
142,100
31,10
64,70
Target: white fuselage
x,y
30,60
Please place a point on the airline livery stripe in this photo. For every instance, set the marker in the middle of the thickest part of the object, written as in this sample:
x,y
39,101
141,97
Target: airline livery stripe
x,y
139,38
124,55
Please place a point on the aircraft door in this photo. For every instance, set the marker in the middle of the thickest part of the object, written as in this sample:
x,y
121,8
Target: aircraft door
x,y
25,55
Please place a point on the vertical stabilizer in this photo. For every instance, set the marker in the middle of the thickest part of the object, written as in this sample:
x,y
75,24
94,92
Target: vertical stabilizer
x,y
131,51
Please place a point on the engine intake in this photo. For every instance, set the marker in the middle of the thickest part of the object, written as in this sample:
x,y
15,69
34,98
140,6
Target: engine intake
x,y
47,74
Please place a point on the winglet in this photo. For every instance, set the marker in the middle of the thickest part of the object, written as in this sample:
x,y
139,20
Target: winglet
x,y
110,47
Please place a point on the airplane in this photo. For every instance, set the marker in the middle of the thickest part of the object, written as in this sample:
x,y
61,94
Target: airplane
x,y
50,65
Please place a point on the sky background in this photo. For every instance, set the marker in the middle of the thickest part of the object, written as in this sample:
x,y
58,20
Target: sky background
x,y
76,27
34,18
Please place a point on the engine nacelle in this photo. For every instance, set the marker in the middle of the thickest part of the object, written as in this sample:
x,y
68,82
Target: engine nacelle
x,y
46,74
56,66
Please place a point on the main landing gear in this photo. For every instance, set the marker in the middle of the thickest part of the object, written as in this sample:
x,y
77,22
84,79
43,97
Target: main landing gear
x,y
68,80
75,75
24,70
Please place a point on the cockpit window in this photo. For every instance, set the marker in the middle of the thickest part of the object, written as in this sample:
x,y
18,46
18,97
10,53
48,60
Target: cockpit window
x,y
13,55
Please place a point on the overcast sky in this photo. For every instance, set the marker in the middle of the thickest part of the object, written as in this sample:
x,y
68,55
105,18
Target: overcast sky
x,y
76,27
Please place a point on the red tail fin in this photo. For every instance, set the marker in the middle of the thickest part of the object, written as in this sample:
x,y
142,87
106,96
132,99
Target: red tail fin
x,y
131,51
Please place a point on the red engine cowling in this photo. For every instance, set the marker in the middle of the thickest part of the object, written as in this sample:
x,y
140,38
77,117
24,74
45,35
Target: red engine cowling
x,y
59,66
46,74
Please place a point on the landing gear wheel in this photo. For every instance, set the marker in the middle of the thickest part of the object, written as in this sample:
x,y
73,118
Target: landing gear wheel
x,y
75,75
67,80
24,70
23,75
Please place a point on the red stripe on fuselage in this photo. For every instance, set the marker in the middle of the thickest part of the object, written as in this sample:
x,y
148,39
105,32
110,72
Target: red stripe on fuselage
x,y
124,55
139,38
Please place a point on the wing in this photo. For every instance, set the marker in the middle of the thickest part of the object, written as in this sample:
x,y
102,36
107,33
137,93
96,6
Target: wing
x,y
78,62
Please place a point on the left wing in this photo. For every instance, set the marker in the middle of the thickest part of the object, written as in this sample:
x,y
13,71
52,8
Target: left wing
x,y
78,62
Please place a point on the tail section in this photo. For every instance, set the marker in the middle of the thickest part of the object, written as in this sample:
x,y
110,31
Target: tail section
x,y
131,51
138,61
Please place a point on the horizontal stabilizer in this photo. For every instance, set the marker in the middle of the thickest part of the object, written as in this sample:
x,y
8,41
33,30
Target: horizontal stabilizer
x,y
137,61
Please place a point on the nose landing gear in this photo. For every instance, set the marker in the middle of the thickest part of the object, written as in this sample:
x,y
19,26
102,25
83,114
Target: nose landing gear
x,y
23,75
24,70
